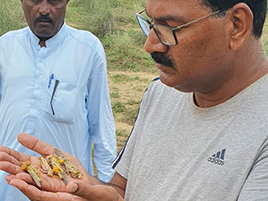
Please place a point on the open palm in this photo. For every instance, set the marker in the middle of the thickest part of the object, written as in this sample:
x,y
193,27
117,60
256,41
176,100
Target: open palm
x,y
10,161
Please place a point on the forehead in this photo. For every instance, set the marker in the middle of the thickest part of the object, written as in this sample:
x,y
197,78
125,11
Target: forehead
x,y
154,8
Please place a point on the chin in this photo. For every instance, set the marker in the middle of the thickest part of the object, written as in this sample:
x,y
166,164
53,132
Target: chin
x,y
174,82
169,80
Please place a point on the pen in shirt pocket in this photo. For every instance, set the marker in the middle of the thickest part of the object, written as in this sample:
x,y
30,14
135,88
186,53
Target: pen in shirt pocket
x,y
50,79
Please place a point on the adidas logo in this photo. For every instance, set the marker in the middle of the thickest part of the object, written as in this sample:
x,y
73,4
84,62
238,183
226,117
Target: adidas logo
x,y
217,158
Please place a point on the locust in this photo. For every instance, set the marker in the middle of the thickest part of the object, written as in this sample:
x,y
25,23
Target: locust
x,y
56,168
70,168
32,171
45,166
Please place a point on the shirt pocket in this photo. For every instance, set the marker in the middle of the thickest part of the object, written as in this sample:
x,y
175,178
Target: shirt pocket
x,y
61,102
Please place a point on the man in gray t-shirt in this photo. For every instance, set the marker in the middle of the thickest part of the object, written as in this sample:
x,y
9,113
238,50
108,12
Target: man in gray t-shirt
x,y
209,144
209,154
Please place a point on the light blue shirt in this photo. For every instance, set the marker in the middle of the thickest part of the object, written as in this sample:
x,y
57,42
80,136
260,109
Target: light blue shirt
x,y
78,113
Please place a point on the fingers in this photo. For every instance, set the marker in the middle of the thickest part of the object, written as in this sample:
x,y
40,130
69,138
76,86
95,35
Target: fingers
x,y
35,194
94,193
22,176
9,168
9,164
30,191
15,157
35,144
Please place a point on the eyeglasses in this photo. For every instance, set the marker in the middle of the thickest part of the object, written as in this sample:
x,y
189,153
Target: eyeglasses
x,y
166,34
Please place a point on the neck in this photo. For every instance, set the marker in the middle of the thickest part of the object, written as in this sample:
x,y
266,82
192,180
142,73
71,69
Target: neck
x,y
248,70
42,43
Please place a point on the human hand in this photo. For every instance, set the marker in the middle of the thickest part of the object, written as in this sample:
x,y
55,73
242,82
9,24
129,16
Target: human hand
x,y
11,160
87,188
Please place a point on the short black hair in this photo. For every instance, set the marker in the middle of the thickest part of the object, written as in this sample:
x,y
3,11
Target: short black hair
x,y
258,8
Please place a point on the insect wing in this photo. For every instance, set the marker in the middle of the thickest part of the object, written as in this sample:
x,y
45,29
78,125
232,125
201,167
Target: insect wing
x,y
34,174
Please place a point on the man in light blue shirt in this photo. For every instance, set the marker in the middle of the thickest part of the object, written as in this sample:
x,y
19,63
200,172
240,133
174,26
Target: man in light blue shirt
x,y
53,85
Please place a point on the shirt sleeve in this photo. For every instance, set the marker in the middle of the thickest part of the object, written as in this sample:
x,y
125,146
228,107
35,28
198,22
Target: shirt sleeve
x,y
0,85
100,119
0,77
256,184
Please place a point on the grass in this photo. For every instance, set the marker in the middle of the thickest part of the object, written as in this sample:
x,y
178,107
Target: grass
x,y
114,22
11,16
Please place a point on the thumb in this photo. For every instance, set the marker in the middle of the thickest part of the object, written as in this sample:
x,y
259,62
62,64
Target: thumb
x,y
94,193
80,189
72,187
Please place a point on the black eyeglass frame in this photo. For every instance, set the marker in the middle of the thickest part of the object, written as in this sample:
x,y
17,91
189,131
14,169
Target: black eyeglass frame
x,y
173,29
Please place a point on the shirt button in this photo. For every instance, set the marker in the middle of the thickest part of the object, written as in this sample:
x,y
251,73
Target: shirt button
x,y
38,73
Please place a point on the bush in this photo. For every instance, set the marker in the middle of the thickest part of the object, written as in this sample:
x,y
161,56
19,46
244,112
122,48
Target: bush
x,y
95,15
11,16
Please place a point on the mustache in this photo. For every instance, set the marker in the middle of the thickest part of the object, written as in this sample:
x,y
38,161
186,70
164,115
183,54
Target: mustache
x,y
163,59
43,18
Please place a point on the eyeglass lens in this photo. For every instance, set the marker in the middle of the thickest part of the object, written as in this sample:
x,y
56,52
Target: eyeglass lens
x,y
144,24
164,34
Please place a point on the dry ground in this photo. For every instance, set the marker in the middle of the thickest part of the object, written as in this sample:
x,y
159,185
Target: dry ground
x,y
127,88
130,87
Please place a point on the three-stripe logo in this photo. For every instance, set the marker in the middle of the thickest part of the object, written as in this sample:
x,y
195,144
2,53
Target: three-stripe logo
x,y
217,158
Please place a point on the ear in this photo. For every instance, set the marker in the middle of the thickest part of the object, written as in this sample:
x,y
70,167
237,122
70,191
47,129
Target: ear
x,y
242,20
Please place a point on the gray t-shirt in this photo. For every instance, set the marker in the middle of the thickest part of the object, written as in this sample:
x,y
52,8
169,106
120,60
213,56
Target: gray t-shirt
x,y
178,151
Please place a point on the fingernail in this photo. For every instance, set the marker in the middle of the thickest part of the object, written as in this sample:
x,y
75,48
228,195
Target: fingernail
x,y
74,188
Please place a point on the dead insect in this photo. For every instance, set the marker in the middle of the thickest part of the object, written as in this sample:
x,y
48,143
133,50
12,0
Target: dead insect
x,y
70,168
32,171
56,168
45,166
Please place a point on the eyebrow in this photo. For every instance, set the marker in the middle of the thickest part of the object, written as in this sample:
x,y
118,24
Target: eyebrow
x,y
178,19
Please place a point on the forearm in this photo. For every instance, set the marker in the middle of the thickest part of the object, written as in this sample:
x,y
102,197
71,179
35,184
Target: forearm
x,y
119,184
115,183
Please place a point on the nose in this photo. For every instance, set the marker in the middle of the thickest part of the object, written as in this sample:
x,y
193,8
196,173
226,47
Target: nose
x,y
44,7
153,44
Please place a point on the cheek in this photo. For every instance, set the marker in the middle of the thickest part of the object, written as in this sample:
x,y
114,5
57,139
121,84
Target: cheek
x,y
195,54
196,62
29,14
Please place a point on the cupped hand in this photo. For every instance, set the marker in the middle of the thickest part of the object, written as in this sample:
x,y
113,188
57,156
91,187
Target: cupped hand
x,y
11,160
52,188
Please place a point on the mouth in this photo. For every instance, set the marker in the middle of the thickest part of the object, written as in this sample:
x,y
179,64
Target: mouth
x,y
162,67
43,20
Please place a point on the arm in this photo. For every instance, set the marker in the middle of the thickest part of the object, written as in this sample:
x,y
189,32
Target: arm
x,y
0,85
0,80
256,182
100,119
87,188
114,191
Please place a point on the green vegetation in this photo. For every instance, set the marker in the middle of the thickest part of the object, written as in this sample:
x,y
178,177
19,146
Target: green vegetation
x,y
114,23
11,16
118,106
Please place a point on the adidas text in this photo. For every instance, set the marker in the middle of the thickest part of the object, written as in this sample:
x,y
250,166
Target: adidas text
x,y
216,160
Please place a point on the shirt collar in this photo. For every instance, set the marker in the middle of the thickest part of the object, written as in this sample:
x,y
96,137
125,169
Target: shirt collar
x,y
52,41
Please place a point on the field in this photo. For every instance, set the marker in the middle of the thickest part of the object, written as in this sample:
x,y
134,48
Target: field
x,y
130,68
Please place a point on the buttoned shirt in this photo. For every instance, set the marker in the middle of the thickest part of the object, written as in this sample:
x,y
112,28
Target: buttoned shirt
x,y
59,94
